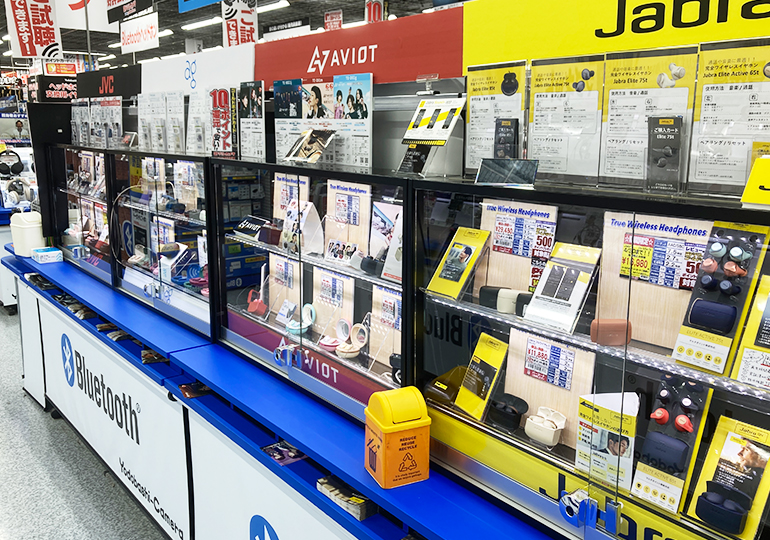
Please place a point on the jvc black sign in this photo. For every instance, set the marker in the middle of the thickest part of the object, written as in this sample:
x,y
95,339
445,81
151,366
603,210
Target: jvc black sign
x,y
115,404
124,82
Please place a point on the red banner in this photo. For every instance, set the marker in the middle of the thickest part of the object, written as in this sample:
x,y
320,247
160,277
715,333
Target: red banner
x,y
393,51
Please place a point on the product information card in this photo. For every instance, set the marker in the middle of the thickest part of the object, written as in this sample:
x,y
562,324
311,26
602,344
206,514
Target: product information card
x,y
639,85
495,91
565,115
732,116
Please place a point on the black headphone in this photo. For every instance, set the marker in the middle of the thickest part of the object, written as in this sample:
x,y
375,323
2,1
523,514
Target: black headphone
x,y
14,168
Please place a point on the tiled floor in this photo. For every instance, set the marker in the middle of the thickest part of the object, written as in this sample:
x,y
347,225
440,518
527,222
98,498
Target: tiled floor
x,y
51,486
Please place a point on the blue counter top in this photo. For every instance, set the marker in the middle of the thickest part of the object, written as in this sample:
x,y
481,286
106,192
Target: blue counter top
x,y
438,508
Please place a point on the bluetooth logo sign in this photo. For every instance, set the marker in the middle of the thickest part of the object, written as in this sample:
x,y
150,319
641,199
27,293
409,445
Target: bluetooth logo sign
x,y
260,529
128,238
68,357
189,73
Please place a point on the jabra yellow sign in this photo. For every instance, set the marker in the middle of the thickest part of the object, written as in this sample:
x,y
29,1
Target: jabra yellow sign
x,y
503,30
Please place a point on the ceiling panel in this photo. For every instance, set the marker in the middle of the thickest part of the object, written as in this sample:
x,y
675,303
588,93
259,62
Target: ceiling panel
x,y
169,17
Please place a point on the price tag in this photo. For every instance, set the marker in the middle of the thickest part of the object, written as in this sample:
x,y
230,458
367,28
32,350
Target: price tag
x,y
331,290
661,261
284,274
348,209
288,194
391,312
549,363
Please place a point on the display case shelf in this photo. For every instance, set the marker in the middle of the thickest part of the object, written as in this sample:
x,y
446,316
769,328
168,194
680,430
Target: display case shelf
x,y
179,218
317,260
91,198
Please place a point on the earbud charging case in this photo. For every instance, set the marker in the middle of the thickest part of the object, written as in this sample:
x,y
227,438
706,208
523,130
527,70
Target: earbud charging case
x,y
359,336
720,517
308,318
546,426
664,452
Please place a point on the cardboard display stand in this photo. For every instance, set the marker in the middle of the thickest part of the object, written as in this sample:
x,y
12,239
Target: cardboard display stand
x,y
525,380
385,331
284,284
333,296
522,237
287,187
655,311
348,212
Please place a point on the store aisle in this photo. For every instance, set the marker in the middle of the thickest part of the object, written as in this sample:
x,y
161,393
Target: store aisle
x,y
51,486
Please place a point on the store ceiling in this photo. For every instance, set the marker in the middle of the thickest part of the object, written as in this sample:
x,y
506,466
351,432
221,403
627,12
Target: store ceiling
x,y
170,18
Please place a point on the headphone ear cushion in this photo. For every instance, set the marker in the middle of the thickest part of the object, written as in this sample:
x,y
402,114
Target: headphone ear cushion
x,y
5,169
14,197
17,167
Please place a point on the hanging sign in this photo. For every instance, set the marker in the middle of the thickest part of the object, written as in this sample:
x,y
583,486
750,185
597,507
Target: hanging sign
x,y
33,28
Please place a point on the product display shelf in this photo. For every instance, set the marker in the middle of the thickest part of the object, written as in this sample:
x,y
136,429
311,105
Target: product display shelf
x,y
632,354
181,218
301,475
83,195
546,192
5,216
319,261
157,372
438,508
158,332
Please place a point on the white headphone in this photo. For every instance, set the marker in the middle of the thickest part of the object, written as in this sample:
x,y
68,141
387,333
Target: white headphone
x,y
19,190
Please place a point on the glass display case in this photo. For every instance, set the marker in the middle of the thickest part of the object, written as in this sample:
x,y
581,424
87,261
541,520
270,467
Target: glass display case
x,y
312,264
160,213
598,358
83,206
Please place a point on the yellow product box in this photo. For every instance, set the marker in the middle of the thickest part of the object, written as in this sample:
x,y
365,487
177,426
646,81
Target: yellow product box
x,y
397,437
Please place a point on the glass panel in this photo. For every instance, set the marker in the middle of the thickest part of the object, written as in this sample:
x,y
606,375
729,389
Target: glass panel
x,y
160,211
311,264
84,237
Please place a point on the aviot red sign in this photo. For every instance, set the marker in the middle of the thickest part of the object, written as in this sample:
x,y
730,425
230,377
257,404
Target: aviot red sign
x,y
393,51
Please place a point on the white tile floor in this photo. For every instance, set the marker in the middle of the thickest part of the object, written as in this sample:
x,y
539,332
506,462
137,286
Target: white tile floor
x,y
51,486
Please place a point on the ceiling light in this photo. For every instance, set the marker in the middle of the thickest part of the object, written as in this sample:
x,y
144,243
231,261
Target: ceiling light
x,y
124,65
429,10
166,32
8,53
6,37
147,60
273,6
392,17
113,67
115,45
108,57
319,30
202,24
172,56
353,24
104,64
82,53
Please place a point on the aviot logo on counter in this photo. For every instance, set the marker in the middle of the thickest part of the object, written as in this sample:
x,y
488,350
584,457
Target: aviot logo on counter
x,y
119,407
341,57
260,529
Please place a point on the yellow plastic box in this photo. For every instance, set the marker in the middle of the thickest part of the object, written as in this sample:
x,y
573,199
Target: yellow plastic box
x,y
397,437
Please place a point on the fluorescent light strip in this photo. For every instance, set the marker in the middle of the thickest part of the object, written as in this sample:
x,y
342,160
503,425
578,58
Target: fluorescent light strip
x,y
274,6
108,57
353,24
7,37
8,53
165,33
202,24
114,45
148,60
83,53
105,65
